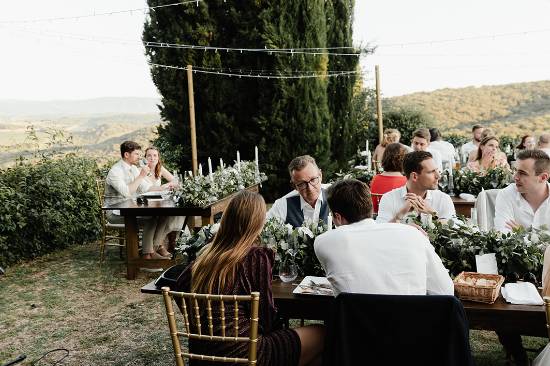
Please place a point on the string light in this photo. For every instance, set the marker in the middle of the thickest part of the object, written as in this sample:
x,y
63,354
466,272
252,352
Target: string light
x,y
94,14
262,75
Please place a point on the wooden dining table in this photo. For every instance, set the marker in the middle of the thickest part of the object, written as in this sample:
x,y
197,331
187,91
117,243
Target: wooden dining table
x,y
462,206
130,209
529,320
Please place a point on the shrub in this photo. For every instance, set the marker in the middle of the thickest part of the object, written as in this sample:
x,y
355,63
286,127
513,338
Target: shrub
x,y
47,206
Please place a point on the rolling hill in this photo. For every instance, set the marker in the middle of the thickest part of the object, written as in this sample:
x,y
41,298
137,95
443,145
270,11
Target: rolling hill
x,y
512,109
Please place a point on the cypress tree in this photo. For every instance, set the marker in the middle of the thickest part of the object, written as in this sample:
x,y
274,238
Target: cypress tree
x,y
284,117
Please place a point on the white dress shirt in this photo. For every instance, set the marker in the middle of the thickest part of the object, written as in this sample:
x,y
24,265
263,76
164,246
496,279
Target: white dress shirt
x,y
392,259
436,155
117,181
311,214
511,205
446,149
467,148
394,200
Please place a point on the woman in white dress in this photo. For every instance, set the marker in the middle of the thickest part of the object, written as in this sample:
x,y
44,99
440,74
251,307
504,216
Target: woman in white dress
x,y
153,183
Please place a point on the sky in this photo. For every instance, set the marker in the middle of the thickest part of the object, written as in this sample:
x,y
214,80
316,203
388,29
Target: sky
x,y
421,45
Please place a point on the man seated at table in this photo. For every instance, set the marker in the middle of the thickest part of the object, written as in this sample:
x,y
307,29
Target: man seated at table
x,y
365,257
123,180
472,145
526,202
307,202
544,143
419,194
421,141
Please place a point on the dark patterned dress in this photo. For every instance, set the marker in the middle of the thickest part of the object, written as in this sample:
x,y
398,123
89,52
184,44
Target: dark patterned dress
x,y
276,347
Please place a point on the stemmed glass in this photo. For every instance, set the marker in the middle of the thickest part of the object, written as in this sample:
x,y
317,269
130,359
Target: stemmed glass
x,y
288,270
444,181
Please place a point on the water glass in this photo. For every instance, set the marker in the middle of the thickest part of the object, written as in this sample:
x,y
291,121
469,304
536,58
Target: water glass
x,y
288,270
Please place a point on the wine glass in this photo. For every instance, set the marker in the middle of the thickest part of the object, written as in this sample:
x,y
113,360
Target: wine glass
x,y
444,182
288,270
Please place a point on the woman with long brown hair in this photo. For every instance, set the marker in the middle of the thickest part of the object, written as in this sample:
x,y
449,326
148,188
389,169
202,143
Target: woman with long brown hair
x,y
234,264
488,156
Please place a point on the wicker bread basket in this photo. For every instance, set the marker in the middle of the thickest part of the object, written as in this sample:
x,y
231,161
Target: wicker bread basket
x,y
478,287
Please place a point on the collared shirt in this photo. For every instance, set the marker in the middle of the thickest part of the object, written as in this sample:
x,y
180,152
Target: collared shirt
x,y
394,200
510,205
391,259
311,214
467,148
117,181
436,156
446,149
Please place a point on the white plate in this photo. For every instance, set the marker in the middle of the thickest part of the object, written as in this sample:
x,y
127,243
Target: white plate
x,y
312,285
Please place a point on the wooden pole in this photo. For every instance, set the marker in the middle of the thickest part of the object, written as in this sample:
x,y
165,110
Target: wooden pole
x,y
191,96
379,106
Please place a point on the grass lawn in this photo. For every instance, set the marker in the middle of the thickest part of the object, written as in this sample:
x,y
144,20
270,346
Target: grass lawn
x,y
65,300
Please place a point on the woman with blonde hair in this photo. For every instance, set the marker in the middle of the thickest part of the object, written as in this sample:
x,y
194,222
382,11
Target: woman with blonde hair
x,y
488,156
391,135
234,264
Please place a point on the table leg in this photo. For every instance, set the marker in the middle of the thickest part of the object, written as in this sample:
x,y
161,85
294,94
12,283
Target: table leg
x,y
207,220
132,245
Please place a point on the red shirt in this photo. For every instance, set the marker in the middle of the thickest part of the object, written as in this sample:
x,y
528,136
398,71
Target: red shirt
x,y
381,184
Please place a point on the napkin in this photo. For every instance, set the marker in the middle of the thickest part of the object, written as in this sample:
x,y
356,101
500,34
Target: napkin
x,y
521,293
486,263
467,196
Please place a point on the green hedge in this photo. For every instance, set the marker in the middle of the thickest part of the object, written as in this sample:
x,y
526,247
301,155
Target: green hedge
x,y
47,206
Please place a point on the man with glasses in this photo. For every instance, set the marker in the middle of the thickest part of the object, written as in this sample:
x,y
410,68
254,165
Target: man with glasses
x,y
308,201
526,202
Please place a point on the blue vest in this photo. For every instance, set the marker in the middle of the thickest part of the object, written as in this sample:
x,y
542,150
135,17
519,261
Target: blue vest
x,y
295,215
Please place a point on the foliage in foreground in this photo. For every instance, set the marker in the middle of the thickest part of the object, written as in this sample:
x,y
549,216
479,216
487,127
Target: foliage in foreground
x,y
47,206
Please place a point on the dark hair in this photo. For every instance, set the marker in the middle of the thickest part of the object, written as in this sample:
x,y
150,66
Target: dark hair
x,y
300,162
128,146
522,143
351,199
542,161
413,162
434,134
392,159
476,127
484,142
422,133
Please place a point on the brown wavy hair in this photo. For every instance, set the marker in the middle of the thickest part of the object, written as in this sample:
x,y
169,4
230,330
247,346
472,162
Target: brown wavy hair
x,y
158,167
392,159
484,142
240,227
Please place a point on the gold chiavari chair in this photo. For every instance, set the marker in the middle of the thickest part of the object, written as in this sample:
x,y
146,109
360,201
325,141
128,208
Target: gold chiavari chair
x,y
547,309
111,234
190,306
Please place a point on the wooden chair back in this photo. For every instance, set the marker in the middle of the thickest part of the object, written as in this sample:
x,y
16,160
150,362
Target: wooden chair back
x,y
190,306
111,234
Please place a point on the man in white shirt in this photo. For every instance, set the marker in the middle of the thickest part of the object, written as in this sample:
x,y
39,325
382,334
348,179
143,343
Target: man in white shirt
x,y
446,149
544,143
526,202
123,180
365,257
468,147
418,195
307,202
421,142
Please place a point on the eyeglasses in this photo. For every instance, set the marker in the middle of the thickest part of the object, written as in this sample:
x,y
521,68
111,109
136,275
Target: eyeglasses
x,y
303,185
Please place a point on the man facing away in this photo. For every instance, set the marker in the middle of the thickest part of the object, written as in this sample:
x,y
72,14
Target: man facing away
x,y
468,147
123,180
419,194
365,257
446,149
526,202
421,142
307,202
